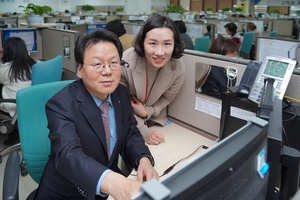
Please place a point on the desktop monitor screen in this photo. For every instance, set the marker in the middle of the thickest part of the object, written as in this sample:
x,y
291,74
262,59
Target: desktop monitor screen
x,y
27,34
92,27
270,46
231,169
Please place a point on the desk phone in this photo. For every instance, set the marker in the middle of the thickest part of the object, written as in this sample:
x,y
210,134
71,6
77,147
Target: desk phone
x,y
278,68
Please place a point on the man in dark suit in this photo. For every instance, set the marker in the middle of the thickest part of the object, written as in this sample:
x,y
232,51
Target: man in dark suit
x,y
82,165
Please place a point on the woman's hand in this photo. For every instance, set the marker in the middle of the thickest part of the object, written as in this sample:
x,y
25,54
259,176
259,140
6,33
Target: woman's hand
x,y
155,137
138,107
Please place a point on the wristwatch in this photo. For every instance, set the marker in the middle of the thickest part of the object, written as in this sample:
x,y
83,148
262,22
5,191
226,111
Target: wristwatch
x,y
142,156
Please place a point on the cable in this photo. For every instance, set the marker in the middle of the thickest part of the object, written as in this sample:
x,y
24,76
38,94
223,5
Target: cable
x,y
294,112
289,51
292,108
285,136
172,166
292,98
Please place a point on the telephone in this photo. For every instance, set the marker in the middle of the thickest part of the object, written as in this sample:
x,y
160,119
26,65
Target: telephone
x,y
278,68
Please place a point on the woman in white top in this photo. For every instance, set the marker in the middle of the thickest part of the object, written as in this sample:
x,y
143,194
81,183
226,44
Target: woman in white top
x,y
15,71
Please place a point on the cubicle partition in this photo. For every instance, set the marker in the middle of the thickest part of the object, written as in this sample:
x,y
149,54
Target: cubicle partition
x,y
284,27
60,42
37,52
196,110
199,112
133,28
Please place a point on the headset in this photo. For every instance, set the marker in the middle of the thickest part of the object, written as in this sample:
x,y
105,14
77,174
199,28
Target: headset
x,y
231,73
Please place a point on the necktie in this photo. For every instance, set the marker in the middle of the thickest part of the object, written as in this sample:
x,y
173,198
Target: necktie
x,y
104,111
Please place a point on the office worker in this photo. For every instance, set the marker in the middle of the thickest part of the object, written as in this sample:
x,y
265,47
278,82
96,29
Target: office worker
x,y
118,28
186,38
208,31
81,165
155,74
231,30
15,74
15,71
217,81
252,27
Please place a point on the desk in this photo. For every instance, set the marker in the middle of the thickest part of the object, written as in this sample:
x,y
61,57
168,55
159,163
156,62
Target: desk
x,y
44,25
180,142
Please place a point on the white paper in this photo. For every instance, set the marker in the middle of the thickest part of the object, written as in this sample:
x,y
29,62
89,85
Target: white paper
x,y
241,114
208,107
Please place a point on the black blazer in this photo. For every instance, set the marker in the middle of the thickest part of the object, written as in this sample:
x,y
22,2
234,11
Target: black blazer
x,y
78,146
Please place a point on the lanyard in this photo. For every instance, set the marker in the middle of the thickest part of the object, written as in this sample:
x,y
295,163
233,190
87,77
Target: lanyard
x,y
146,92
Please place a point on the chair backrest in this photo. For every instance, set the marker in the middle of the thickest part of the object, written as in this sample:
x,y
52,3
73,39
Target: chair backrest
x,y
248,41
274,34
32,125
202,43
47,71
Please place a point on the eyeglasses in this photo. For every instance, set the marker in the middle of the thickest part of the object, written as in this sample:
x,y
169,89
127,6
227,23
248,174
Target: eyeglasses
x,y
99,67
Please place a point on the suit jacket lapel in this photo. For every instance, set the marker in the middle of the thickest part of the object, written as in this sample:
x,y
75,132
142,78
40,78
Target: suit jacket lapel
x,y
91,112
161,83
139,78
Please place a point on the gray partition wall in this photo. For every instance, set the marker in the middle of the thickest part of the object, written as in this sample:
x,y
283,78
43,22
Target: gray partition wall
x,y
183,107
60,42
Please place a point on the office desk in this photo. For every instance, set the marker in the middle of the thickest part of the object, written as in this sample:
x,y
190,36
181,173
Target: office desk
x,y
180,142
44,25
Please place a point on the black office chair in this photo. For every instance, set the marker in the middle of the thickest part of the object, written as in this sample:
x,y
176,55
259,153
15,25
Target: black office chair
x,y
8,126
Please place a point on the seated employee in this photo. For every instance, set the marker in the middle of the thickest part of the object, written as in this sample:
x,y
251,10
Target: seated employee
x,y
208,31
217,81
231,30
83,163
186,38
118,28
15,74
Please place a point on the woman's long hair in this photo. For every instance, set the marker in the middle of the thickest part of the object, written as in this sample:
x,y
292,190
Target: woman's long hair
x,y
15,51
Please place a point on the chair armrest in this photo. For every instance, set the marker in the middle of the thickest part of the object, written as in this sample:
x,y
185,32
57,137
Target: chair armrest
x,y
11,177
8,101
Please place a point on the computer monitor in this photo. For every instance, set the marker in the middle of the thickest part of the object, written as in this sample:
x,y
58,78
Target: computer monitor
x,y
271,46
234,168
92,27
27,34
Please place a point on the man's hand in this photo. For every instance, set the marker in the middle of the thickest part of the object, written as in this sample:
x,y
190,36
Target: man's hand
x,y
155,137
145,170
119,187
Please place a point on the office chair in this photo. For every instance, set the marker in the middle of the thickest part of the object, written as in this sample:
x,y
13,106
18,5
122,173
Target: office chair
x,y
202,43
274,34
47,71
42,72
33,131
246,45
